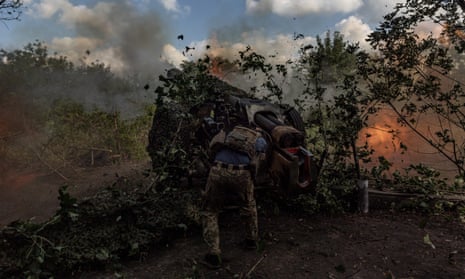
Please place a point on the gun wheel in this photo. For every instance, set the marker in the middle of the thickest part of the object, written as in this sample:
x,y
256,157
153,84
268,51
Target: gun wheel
x,y
293,117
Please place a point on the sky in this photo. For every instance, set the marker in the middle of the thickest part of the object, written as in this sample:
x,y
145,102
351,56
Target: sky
x,y
144,35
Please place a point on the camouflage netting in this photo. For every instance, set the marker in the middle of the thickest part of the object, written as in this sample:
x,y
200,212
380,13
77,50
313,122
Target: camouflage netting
x,y
171,126
172,138
112,225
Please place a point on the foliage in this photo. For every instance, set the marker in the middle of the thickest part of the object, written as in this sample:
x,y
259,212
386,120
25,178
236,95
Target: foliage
x,y
35,75
329,61
412,73
68,111
274,75
183,99
421,179
76,133
170,163
325,200
172,145
338,111
191,86
115,224
18,120
430,187
332,96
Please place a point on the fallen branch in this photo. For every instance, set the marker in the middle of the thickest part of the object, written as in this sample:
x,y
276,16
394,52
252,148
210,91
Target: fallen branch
x,y
247,275
454,197
48,165
353,274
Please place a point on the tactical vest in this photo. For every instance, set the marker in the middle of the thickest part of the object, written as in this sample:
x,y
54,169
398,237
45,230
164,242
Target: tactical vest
x,y
243,140
240,139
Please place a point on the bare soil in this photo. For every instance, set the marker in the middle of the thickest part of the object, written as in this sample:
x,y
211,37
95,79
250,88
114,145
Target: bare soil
x,y
33,192
380,244
377,245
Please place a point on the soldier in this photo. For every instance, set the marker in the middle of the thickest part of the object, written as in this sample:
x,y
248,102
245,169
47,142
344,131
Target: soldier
x,y
231,175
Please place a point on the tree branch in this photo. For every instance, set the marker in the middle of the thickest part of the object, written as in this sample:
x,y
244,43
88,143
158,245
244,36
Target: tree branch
x,y
422,136
461,3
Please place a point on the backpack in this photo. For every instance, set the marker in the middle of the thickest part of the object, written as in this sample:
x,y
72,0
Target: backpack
x,y
243,140
240,139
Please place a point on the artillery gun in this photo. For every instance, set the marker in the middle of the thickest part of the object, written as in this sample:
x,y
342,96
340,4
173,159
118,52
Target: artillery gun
x,y
289,167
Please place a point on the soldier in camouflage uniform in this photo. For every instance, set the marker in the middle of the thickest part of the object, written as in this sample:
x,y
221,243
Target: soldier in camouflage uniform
x,y
231,176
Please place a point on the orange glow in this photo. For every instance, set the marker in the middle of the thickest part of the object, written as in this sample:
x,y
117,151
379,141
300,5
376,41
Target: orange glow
x,y
214,51
15,130
381,139
17,181
459,33
220,57
215,68
385,136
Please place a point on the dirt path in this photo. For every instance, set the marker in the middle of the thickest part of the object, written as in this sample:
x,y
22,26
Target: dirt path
x,y
377,245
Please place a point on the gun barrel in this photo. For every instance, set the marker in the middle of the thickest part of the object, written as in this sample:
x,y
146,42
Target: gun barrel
x,y
267,122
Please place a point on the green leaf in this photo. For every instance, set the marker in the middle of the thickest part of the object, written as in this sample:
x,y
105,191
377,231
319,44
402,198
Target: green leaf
x,y
427,241
59,248
182,226
134,246
73,215
103,255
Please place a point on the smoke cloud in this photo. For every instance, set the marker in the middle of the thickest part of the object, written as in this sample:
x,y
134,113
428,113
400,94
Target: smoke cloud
x,y
116,33
301,7
173,6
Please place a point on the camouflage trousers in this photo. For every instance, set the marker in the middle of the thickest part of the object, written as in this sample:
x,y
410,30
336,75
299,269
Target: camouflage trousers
x,y
222,184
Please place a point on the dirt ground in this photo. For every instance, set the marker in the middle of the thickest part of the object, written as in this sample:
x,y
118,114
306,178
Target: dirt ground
x,y
380,244
33,193
377,245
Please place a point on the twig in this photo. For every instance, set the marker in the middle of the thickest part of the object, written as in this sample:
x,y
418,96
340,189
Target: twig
x,y
247,275
176,134
351,275
98,149
154,181
49,166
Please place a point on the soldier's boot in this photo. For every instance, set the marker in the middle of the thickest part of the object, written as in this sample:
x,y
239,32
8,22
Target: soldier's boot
x,y
212,261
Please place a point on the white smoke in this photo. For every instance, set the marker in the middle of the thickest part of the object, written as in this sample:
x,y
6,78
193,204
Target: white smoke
x,y
172,56
173,6
118,34
302,7
277,49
